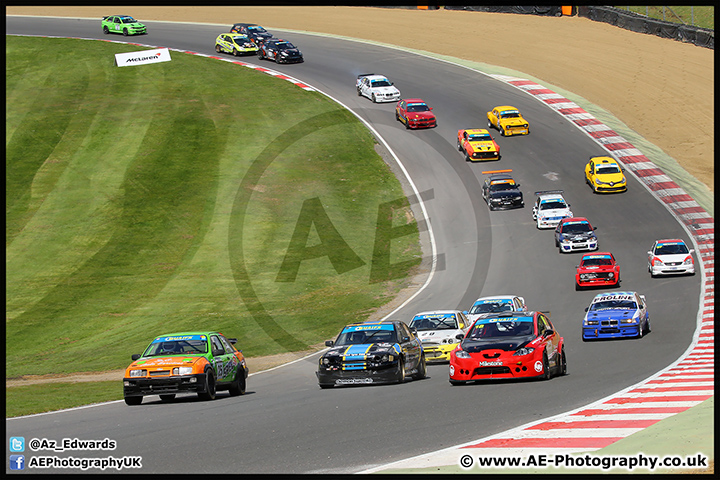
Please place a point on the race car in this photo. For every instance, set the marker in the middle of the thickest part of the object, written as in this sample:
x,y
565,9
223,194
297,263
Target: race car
x,y
670,257
509,345
500,191
280,50
550,207
508,120
603,174
616,315
186,362
484,306
415,113
575,233
254,32
234,43
477,145
437,331
372,353
124,24
597,269
377,88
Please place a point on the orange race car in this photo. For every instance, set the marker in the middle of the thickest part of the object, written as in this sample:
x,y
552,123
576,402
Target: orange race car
x,y
191,362
477,145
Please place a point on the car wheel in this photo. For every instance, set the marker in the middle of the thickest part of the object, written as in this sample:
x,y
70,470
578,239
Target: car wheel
x,y
209,393
546,368
374,98
401,371
359,93
235,52
502,130
218,49
125,32
324,385
647,326
459,146
167,397
577,287
421,369
260,54
490,125
238,386
133,400
562,368
467,157
106,30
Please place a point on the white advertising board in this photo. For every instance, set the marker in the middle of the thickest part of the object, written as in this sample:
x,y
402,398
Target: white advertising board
x,y
143,57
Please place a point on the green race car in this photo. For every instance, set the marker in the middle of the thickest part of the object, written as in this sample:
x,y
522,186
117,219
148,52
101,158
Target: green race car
x,y
234,43
124,24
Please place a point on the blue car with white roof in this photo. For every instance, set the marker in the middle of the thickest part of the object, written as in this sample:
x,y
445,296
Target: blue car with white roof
x,y
616,315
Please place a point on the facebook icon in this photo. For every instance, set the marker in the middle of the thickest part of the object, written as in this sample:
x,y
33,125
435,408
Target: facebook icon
x,y
17,462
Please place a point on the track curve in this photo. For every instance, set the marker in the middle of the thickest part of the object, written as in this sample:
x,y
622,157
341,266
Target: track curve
x,y
285,423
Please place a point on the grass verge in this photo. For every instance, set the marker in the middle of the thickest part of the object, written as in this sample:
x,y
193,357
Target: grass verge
x,y
192,194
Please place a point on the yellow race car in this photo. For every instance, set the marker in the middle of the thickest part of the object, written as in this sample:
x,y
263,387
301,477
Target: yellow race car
x,y
508,120
235,43
477,145
604,174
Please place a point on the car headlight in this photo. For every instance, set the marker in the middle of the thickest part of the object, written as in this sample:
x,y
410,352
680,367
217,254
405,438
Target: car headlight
x,y
462,354
688,261
138,373
629,320
182,370
523,351
592,322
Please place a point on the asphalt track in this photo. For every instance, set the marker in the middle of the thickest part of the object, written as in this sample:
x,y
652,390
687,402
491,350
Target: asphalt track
x,y
285,423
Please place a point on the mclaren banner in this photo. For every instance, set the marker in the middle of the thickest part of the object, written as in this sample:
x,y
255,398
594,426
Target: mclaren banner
x,y
143,57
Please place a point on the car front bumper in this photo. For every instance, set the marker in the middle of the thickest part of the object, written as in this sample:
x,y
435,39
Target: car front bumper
x,y
140,386
370,376
673,270
592,332
476,368
589,245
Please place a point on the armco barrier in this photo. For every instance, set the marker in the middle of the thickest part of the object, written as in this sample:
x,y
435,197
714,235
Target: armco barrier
x,y
702,37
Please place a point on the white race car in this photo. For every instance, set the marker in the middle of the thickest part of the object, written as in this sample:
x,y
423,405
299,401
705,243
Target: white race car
x,y
438,330
550,207
377,88
484,306
670,257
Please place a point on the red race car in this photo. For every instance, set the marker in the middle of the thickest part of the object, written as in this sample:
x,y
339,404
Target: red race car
x,y
415,113
509,345
597,269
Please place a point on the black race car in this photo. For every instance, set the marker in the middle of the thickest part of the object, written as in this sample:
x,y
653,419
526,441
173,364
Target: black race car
x,y
501,192
372,353
280,50
254,32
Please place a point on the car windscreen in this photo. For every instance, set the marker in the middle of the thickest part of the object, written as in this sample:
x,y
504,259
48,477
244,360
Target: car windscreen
x,y
496,187
437,322
608,169
177,345
622,304
491,307
496,328
671,249
380,83
576,228
479,138
590,262
285,46
365,335
552,205
509,115
418,108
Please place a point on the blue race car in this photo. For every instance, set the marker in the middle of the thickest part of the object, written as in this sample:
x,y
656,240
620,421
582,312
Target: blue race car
x,y
372,353
616,315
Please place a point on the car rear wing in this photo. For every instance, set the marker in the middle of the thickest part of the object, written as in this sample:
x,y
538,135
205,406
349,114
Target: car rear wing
x,y
365,75
488,172
547,192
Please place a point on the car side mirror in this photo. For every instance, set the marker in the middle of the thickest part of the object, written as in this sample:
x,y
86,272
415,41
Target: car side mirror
x,y
548,333
232,341
595,228
459,336
329,343
692,250
465,312
430,108
135,356
405,339
586,308
649,253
